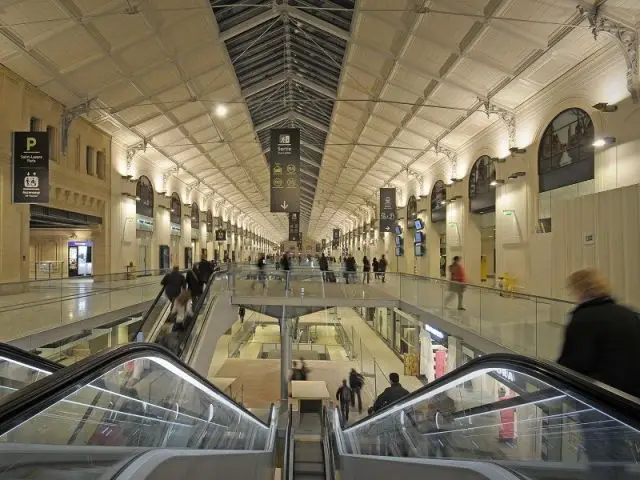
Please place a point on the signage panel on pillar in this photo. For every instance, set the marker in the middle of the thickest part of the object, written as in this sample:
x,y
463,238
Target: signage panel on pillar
x,y
30,167
294,226
387,209
284,170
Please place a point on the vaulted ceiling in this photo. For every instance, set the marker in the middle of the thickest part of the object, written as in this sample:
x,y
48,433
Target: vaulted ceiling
x,y
373,85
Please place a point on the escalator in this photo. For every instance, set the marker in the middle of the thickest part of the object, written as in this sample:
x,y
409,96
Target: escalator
x,y
19,369
94,420
499,416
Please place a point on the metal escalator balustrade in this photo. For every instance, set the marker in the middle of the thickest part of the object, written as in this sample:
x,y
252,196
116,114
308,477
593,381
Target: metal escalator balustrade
x,y
95,403
528,419
19,369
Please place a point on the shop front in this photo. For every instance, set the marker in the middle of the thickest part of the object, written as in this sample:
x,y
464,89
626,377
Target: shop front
x,y
80,255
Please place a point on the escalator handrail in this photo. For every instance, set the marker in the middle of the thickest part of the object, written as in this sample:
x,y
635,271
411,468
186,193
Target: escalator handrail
x,y
32,399
29,359
612,399
287,463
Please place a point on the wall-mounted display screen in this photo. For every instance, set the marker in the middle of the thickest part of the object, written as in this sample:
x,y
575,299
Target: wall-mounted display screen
x,y
399,251
398,230
398,241
418,225
419,237
419,250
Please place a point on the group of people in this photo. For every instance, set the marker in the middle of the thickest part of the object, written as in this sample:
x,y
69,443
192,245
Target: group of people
x,y
183,291
351,390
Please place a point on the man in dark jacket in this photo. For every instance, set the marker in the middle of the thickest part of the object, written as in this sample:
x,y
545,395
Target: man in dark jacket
x,y
344,397
600,342
356,382
194,284
390,394
173,283
205,269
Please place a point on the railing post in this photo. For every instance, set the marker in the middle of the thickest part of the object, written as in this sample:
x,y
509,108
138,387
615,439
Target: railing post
x,y
285,360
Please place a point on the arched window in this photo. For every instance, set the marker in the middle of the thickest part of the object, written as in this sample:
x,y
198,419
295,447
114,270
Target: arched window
x,y
176,209
482,196
144,197
209,221
439,202
195,216
566,153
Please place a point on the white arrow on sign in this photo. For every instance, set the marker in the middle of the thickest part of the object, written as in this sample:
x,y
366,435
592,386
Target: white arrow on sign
x,y
284,205
387,228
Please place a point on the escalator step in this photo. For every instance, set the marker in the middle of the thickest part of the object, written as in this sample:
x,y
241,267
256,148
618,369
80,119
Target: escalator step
x,y
308,452
304,468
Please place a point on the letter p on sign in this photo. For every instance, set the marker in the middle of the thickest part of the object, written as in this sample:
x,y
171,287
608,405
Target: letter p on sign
x,y
31,142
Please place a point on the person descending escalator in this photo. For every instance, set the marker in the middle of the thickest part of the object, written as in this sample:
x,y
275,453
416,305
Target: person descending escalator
x,y
205,269
600,342
194,285
173,283
390,394
344,396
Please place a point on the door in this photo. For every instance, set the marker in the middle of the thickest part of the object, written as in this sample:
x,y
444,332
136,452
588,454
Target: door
x,y
73,261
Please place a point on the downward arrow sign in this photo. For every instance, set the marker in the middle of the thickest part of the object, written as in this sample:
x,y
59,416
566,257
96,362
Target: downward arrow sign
x,y
284,205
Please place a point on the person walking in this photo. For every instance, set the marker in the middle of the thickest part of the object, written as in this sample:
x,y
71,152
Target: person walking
x,y
390,394
600,342
241,313
382,268
173,283
366,269
356,382
458,280
375,266
205,270
344,396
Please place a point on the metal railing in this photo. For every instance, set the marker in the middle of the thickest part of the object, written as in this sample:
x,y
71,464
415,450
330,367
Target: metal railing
x,y
527,324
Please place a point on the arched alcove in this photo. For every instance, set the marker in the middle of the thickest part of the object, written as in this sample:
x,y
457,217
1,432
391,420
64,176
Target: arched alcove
x,y
144,197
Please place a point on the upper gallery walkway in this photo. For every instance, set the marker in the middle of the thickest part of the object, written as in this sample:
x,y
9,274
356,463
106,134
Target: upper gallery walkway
x,y
29,308
525,324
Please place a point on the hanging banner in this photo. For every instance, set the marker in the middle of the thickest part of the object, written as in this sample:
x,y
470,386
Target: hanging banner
x,y
221,235
294,226
30,167
284,169
387,209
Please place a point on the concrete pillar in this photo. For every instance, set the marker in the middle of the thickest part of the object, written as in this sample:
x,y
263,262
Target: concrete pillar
x,y
14,231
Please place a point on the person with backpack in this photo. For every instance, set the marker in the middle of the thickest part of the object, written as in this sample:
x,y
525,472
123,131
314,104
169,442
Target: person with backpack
x,y
194,284
390,394
173,284
344,396
356,382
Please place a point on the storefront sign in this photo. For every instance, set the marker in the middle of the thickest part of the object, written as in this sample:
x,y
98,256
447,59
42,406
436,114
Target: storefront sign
x,y
144,223
387,209
176,230
294,226
284,169
30,167
221,235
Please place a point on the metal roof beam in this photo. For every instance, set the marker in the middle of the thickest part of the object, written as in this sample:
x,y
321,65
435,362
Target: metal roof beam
x,y
316,22
314,86
273,121
249,24
311,123
263,85
309,162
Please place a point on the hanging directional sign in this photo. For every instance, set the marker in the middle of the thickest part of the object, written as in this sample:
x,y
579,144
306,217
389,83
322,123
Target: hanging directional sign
x,y
387,209
221,235
30,167
294,226
284,169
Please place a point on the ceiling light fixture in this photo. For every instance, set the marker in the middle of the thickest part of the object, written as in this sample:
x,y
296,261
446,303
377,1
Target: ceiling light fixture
x,y
601,142
221,111
605,107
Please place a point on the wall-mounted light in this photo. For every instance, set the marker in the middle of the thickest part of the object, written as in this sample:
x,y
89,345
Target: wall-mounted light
x,y
602,141
163,193
138,198
517,151
188,205
128,195
442,203
498,160
453,199
126,177
496,182
605,107
515,175
457,180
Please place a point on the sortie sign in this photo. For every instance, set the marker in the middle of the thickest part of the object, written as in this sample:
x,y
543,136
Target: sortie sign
x,y
30,167
284,170
387,209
